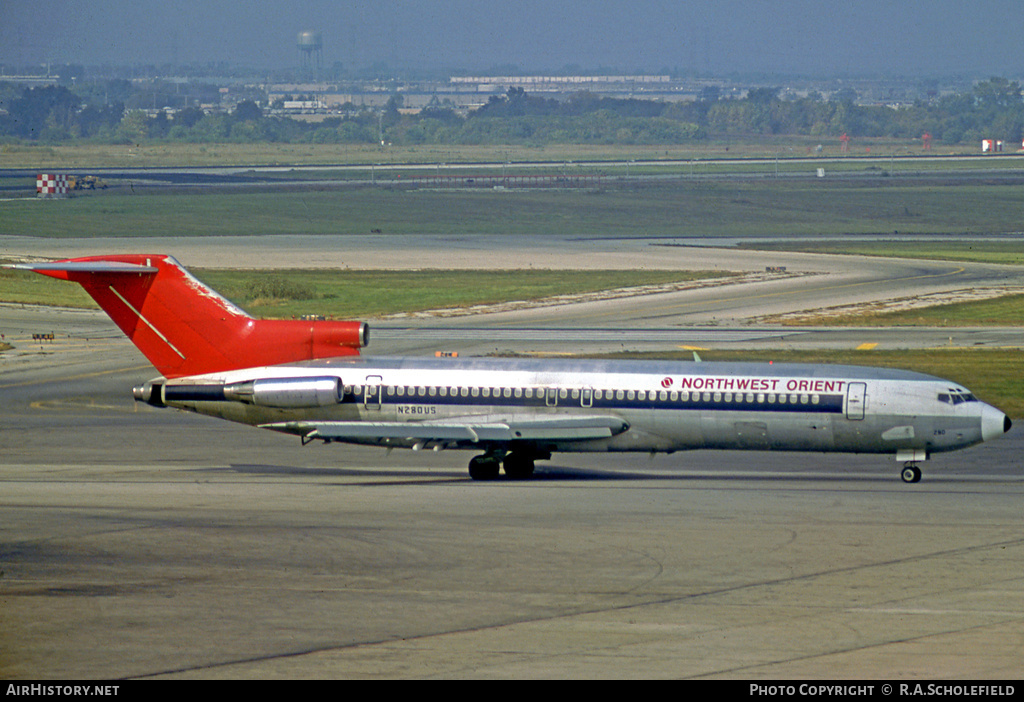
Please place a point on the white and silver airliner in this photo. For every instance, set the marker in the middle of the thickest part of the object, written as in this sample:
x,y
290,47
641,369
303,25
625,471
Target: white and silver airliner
x,y
515,412
308,379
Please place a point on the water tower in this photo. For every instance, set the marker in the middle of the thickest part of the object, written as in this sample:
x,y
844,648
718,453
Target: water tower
x,y
311,51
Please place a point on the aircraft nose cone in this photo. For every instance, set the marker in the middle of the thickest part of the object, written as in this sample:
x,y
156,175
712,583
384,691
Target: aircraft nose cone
x,y
993,423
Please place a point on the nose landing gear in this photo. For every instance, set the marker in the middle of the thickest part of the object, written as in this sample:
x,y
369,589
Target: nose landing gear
x,y
910,473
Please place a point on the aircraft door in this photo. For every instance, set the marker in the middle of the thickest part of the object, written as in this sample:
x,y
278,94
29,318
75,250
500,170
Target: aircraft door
x,y
372,392
856,400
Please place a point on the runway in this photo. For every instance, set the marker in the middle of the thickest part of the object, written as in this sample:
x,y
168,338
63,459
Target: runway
x,y
144,543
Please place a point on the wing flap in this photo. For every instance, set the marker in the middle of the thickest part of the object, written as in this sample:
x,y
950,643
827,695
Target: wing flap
x,y
532,429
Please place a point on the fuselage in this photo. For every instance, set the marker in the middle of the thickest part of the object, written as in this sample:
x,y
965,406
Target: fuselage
x,y
663,406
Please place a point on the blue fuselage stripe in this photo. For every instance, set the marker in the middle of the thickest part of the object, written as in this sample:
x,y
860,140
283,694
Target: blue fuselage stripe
x,y
827,404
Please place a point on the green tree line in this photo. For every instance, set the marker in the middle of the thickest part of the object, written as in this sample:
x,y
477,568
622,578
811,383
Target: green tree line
x,y
993,109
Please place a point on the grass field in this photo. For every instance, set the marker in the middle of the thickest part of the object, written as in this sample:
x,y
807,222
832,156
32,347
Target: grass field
x,y
367,294
175,154
746,208
194,155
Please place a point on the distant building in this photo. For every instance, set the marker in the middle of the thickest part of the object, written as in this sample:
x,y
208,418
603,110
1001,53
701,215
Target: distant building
x,y
491,83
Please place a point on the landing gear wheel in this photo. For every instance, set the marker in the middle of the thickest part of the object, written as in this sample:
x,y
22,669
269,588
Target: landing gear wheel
x,y
484,468
518,467
910,473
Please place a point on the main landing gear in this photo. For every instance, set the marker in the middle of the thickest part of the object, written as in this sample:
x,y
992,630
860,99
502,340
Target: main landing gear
x,y
518,466
910,473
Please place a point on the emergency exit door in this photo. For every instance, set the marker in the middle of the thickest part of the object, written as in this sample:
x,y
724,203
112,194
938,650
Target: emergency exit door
x,y
856,400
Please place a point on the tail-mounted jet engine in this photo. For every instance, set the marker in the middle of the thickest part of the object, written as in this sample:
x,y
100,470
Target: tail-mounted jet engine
x,y
281,393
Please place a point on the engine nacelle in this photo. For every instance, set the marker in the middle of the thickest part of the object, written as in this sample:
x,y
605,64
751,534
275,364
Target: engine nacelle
x,y
287,340
287,393
281,393
328,335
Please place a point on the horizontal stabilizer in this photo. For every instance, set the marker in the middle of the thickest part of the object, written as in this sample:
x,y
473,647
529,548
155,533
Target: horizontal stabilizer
x,y
84,267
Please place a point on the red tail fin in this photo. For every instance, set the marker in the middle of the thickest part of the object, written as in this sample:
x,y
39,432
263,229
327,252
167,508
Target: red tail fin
x,y
185,328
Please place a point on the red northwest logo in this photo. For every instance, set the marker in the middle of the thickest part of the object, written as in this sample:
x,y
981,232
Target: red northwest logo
x,y
666,383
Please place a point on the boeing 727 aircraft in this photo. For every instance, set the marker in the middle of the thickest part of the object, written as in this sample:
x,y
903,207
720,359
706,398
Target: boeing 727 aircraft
x,y
308,379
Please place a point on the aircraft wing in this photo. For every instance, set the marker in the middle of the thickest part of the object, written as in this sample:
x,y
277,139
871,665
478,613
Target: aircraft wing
x,y
468,429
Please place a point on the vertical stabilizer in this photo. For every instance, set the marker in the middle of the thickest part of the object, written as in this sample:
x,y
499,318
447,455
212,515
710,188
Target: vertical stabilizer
x,y
185,328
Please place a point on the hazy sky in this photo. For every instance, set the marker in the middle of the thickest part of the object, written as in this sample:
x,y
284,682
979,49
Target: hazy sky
x,y
821,37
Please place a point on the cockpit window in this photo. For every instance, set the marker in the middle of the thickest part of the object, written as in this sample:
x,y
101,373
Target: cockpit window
x,y
956,397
